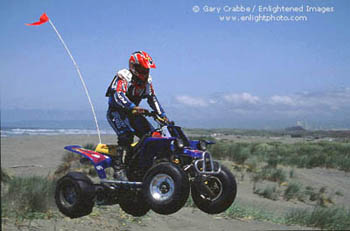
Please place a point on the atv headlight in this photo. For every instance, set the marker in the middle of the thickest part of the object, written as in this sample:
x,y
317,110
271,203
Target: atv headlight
x,y
202,145
179,144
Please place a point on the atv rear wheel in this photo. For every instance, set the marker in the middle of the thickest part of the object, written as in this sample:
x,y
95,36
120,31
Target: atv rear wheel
x,y
214,193
134,204
166,188
74,195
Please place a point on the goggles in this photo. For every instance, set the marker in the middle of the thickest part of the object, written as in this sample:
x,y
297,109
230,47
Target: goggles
x,y
141,70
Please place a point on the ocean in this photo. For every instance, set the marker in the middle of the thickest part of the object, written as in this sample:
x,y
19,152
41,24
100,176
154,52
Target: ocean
x,y
7,132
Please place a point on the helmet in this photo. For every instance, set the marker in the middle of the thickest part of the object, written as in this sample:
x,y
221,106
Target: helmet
x,y
140,63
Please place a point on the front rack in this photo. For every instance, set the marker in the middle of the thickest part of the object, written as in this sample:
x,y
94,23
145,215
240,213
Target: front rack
x,y
201,165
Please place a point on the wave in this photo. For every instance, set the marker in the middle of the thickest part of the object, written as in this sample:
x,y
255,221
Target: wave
x,y
49,132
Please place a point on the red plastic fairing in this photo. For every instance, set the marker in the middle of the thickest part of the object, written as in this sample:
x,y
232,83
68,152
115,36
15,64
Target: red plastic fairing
x,y
94,156
156,134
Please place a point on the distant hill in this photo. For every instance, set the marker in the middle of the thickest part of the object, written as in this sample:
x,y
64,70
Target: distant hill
x,y
295,129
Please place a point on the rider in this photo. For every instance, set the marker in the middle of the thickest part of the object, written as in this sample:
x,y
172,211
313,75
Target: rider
x,y
125,93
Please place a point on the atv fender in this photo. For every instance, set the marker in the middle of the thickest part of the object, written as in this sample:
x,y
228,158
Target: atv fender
x,y
100,161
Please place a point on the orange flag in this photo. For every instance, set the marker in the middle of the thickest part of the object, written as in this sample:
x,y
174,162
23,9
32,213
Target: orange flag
x,y
43,19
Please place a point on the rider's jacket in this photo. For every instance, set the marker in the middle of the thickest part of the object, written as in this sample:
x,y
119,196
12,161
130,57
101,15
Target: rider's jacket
x,y
125,93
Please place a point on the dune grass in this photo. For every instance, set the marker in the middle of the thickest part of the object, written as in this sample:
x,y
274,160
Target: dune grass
x,y
335,218
269,192
28,197
303,154
5,176
324,218
245,212
33,196
294,190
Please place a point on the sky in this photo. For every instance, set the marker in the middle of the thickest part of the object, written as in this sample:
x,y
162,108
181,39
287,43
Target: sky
x,y
211,72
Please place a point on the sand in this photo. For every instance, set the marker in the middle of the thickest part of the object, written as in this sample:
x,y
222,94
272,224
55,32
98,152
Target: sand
x,y
40,155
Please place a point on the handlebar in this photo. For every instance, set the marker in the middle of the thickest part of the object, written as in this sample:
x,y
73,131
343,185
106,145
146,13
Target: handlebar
x,y
156,117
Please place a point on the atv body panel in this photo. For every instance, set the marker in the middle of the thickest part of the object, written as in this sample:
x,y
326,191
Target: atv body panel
x,y
100,161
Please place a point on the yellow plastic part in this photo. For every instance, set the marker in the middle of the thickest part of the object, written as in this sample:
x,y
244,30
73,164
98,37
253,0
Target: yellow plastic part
x,y
134,144
109,149
161,119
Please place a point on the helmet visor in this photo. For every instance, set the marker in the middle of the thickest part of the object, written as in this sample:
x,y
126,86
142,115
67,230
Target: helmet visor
x,y
141,70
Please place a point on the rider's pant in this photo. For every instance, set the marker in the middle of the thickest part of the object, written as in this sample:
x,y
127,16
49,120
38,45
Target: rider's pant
x,y
126,125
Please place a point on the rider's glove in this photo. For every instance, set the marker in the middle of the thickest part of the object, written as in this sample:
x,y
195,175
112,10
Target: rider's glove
x,y
138,110
166,120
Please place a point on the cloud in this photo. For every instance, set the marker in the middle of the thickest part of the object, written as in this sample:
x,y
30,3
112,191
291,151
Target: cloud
x,y
241,98
333,100
192,101
278,99
305,101
237,100
322,107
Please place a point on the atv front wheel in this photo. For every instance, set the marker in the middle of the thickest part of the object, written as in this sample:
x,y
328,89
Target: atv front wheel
x,y
214,193
74,195
166,188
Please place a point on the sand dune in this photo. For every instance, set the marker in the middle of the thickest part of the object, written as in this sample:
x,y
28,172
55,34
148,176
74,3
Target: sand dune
x,y
40,155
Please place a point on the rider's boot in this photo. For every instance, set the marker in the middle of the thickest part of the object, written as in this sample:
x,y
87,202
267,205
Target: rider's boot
x,y
119,166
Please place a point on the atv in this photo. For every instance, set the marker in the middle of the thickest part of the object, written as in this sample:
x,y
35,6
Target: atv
x,y
163,167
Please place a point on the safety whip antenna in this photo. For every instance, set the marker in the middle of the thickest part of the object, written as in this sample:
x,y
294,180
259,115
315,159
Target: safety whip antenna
x,y
43,19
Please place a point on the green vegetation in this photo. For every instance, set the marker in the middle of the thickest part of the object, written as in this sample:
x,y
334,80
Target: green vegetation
x,y
89,146
270,192
339,193
292,173
263,162
294,191
67,160
303,155
324,218
320,197
5,176
33,197
274,174
267,173
316,134
190,203
252,213
28,197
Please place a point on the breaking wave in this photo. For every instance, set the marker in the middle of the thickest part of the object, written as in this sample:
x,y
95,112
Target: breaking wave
x,y
49,132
